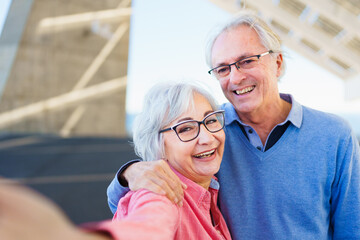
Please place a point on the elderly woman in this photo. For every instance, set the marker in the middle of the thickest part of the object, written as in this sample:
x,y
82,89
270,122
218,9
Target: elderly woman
x,y
179,123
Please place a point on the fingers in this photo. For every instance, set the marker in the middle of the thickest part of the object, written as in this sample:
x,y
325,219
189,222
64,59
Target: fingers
x,y
169,182
156,176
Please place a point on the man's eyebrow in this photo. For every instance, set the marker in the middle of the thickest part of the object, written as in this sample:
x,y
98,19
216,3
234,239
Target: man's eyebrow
x,y
245,55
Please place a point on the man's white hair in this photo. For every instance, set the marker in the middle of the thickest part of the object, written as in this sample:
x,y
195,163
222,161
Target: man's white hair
x,y
268,37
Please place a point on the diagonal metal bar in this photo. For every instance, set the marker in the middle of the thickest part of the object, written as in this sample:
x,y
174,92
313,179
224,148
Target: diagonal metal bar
x,y
74,97
69,22
72,121
89,73
100,58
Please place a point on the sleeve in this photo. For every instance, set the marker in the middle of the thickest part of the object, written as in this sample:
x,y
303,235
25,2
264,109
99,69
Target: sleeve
x,y
115,190
143,215
345,200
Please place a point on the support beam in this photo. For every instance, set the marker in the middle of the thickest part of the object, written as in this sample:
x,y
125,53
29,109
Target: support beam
x,y
334,12
72,121
64,23
74,97
320,60
331,48
100,58
89,73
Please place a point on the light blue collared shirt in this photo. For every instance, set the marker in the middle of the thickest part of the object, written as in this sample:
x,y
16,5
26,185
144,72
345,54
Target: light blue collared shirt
x,y
295,117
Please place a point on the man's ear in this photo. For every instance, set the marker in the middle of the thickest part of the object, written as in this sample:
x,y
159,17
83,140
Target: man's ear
x,y
279,63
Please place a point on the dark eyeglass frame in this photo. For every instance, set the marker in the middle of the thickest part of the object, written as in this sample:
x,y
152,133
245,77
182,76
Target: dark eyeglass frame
x,y
199,123
236,63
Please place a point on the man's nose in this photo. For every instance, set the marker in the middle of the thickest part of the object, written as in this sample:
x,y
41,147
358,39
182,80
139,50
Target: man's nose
x,y
236,75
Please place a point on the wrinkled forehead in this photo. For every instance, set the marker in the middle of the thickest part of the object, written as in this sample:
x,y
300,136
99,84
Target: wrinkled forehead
x,y
235,43
240,34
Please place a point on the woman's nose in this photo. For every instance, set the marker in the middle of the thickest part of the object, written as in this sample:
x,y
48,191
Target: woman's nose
x,y
204,135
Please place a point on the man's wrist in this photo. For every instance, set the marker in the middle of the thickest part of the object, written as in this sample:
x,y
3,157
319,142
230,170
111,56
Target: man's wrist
x,y
120,175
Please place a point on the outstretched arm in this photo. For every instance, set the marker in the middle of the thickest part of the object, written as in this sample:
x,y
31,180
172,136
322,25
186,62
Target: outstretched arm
x,y
143,215
27,215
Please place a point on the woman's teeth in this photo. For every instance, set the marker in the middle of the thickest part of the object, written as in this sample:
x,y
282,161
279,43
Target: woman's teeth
x,y
245,90
205,154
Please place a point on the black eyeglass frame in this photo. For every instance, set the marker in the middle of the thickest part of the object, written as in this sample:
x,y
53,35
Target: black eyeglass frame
x,y
235,63
199,123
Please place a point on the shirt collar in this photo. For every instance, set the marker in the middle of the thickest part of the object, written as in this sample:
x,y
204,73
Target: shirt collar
x,y
295,116
296,113
197,192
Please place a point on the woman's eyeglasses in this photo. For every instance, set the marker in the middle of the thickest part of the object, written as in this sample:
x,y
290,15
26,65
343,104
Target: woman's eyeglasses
x,y
189,130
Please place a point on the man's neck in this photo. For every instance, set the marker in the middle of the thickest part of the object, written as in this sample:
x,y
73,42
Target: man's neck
x,y
264,120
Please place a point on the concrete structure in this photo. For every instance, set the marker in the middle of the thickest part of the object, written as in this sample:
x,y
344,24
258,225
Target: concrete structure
x,y
68,69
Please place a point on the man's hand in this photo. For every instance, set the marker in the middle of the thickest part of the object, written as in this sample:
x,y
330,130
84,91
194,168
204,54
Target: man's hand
x,y
155,176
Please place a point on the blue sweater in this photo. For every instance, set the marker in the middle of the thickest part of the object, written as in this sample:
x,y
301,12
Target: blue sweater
x,y
306,186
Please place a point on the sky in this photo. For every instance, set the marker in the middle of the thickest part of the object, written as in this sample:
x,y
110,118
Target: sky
x,y
167,42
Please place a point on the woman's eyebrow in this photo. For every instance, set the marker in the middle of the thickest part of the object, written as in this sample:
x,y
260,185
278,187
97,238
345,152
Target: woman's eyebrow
x,y
208,112
184,119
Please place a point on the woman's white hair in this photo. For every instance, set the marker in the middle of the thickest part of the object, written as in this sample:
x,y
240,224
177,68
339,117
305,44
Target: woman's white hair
x,y
268,37
164,103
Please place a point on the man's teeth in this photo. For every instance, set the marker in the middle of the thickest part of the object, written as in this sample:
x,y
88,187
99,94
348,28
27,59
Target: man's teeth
x,y
245,90
205,154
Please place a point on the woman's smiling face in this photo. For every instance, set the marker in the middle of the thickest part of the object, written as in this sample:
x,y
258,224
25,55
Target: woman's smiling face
x,y
198,159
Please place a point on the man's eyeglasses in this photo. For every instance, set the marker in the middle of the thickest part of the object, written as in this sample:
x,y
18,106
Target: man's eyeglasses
x,y
245,63
189,130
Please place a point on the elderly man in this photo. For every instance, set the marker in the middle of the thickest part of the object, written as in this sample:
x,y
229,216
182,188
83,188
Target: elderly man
x,y
289,171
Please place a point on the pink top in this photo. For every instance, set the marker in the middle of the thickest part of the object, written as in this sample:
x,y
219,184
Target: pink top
x,y
146,215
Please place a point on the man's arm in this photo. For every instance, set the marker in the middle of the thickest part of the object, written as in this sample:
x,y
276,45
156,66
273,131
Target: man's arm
x,y
155,176
345,202
118,187
115,191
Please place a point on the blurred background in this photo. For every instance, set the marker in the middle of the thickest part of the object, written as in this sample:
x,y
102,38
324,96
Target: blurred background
x,y
73,74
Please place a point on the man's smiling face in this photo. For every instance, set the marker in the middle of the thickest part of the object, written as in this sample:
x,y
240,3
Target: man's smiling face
x,y
249,90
